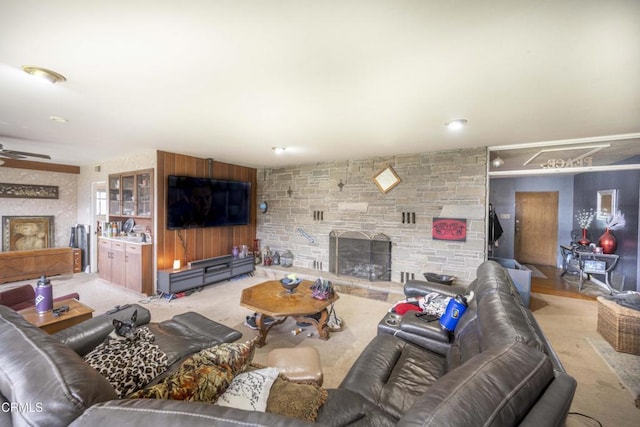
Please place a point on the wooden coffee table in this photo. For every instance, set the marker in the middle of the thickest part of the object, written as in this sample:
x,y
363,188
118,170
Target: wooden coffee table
x,y
49,323
271,299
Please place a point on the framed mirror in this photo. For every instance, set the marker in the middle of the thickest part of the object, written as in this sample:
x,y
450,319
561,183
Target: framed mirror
x,y
607,203
386,179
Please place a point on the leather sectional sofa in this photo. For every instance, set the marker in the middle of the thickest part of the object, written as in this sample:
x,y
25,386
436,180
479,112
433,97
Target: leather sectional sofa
x,y
496,369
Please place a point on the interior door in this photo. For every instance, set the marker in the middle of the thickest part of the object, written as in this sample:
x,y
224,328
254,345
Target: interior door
x,y
536,233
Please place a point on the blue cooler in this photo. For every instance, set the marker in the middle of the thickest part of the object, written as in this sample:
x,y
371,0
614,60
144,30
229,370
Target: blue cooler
x,y
454,311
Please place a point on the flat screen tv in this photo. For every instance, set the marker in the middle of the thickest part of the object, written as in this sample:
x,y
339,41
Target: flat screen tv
x,y
205,202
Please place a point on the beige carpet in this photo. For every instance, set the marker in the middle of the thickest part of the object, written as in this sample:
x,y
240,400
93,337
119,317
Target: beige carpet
x,y
566,322
220,302
626,366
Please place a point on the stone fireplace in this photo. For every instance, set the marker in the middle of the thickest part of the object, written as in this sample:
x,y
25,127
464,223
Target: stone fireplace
x,y
356,254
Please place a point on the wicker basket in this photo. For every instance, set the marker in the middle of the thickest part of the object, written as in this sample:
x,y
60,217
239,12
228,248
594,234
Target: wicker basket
x,y
619,325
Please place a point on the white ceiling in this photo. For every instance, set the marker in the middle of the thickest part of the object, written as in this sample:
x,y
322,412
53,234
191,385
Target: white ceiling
x,y
330,80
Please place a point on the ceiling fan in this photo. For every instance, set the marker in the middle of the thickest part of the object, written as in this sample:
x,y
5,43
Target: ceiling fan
x,y
12,154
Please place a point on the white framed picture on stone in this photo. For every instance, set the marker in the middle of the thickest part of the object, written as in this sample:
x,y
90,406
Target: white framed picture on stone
x,y
386,179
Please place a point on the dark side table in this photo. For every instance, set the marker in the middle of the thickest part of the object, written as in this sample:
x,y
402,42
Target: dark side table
x,y
588,263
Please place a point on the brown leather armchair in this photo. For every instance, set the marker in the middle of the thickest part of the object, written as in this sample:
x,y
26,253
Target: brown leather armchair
x,y
25,296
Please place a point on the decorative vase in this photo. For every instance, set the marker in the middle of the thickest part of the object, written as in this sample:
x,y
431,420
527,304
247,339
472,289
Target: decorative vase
x,y
235,252
585,240
608,242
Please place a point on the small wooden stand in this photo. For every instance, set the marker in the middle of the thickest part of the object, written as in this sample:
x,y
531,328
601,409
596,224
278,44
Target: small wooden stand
x,y
49,323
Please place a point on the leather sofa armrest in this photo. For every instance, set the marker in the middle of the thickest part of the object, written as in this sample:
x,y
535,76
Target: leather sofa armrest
x,y
425,333
417,288
207,327
85,336
554,404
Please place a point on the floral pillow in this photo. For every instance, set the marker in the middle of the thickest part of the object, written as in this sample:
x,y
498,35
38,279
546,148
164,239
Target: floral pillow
x,y
249,390
204,376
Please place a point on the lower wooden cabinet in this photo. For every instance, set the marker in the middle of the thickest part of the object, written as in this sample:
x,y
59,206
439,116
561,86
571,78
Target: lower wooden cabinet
x,y
126,264
31,264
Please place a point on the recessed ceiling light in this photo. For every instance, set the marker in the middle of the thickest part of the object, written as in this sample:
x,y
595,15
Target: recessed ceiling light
x,y
58,119
278,150
456,124
43,73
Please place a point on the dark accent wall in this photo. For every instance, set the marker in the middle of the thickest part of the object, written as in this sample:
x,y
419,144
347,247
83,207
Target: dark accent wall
x,y
576,193
502,194
199,243
586,187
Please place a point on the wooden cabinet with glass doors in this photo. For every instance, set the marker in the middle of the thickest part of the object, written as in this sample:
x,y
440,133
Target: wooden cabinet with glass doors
x,y
114,195
131,194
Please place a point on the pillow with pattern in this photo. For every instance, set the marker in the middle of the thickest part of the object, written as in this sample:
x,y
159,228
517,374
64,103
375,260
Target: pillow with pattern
x,y
249,390
302,401
204,376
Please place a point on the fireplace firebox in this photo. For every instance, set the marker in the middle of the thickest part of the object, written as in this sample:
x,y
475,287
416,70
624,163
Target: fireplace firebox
x,y
356,254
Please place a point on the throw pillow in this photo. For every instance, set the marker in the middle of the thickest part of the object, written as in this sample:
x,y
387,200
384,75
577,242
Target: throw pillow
x,y
302,401
249,390
127,364
402,307
204,376
434,304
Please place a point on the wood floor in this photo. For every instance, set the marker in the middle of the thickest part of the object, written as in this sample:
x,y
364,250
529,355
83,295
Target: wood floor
x,y
554,284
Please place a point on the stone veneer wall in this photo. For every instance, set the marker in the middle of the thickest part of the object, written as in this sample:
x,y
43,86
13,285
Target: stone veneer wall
x,y
449,184
63,208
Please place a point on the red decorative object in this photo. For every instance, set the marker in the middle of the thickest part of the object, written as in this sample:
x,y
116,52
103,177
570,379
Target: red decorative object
x,y
449,229
608,242
585,240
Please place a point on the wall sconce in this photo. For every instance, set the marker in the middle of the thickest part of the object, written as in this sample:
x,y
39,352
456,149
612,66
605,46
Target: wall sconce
x,y
340,185
176,264
289,192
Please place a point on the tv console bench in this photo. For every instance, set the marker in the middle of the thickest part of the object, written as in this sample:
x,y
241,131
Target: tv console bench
x,y
203,272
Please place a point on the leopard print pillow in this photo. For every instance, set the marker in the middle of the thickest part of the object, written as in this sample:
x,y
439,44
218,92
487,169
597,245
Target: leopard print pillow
x,y
129,365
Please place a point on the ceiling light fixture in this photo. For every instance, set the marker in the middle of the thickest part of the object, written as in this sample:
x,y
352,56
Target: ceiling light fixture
x,y
456,124
58,119
278,150
497,162
43,73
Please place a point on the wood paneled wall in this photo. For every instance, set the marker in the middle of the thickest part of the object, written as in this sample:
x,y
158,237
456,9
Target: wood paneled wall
x,y
200,243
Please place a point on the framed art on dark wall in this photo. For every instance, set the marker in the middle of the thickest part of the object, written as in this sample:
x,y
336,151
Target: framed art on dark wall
x,y
606,203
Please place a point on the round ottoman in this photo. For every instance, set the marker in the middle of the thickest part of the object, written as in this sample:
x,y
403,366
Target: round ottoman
x,y
298,364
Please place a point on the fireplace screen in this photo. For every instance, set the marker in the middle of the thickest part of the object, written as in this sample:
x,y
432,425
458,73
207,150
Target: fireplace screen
x,y
358,255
